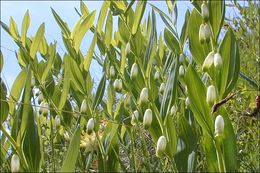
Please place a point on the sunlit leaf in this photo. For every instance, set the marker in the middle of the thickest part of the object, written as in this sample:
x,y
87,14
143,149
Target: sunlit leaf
x,y
25,26
36,41
72,154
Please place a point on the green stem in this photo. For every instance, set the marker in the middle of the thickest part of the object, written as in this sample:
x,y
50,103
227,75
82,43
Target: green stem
x,y
157,114
103,153
221,163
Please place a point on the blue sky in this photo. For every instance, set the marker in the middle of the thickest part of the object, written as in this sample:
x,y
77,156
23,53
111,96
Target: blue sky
x,y
40,12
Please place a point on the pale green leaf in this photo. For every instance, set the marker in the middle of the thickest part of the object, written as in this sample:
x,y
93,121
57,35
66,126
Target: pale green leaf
x,y
139,11
69,163
36,41
90,52
85,25
25,26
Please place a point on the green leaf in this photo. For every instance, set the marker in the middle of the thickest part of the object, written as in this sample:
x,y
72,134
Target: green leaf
x,y
110,97
1,61
63,25
50,62
3,102
139,11
216,16
109,29
83,8
85,25
25,26
72,154
101,17
66,86
171,42
36,41
100,92
170,92
251,81
197,4
184,31
197,97
76,74
122,60
231,63
120,5
13,29
16,90
198,51
90,52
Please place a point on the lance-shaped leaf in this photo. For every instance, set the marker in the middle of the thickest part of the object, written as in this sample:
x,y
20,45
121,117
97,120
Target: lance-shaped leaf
x,y
13,29
170,92
72,154
100,92
25,26
197,97
36,41
231,63
101,17
46,71
139,11
90,52
64,27
171,42
16,89
83,8
109,29
82,29
216,16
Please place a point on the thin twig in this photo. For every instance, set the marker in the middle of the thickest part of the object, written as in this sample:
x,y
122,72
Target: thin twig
x,y
220,103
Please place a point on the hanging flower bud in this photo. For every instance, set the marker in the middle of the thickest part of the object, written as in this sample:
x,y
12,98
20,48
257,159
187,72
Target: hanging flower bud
x,y
181,71
162,88
83,108
144,96
44,108
173,110
157,75
161,146
207,32
219,126
66,136
209,60
202,34
187,102
134,71
181,58
90,125
218,61
127,100
211,95
15,163
128,48
112,72
135,117
118,85
57,120
148,118
205,11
